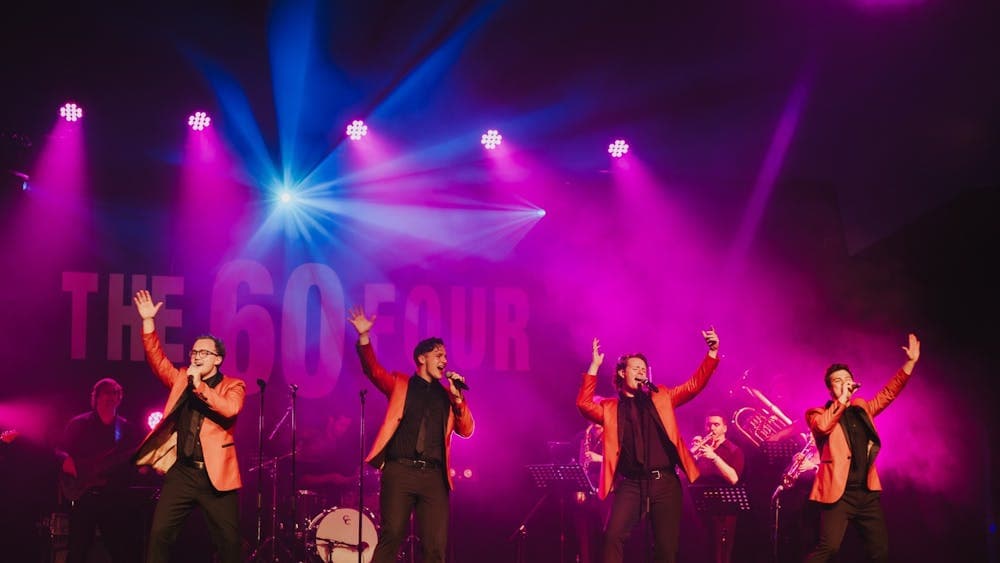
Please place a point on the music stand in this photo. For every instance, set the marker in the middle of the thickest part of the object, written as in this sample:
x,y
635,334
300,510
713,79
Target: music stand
x,y
778,453
560,474
559,477
720,499
713,501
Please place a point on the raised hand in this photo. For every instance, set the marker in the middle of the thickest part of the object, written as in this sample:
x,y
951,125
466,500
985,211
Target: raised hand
x,y
356,316
711,338
913,350
598,357
144,304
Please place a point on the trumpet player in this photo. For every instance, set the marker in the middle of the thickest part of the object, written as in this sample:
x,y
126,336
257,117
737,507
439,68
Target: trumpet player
x,y
720,462
847,486
643,448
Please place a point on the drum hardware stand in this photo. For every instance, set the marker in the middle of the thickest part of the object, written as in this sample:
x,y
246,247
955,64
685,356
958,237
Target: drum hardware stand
x,y
361,474
411,542
294,528
273,543
278,550
260,458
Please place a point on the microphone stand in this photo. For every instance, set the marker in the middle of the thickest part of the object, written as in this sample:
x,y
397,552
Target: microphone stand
x,y
260,459
295,524
361,471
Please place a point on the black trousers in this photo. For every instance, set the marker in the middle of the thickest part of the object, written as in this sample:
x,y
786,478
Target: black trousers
x,y
659,500
110,510
861,507
185,488
403,491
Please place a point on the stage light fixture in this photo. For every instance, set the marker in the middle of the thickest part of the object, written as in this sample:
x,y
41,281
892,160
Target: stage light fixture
x,y
71,112
356,130
618,148
286,196
153,419
199,120
491,139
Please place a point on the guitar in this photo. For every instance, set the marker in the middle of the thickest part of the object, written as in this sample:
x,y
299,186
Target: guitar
x,y
91,472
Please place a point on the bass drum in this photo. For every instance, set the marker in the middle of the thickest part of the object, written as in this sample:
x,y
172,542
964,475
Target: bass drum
x,y
332,536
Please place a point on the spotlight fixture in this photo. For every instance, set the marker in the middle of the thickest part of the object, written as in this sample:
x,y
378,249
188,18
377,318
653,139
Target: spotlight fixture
x,y
491,139
153,419
71,112
199,120
356,130
286,196
618,148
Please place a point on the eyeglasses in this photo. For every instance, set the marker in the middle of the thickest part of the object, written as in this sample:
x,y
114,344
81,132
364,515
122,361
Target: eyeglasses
x,y
202,354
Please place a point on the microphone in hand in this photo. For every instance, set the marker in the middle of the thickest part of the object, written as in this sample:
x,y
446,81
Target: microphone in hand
x,y
854,386
456,382
649,385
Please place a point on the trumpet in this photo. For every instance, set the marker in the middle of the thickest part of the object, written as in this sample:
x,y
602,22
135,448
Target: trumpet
x,y
699,441
806,460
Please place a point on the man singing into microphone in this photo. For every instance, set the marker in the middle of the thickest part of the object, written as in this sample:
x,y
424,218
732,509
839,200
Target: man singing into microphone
x,y
413,444
193,443
847,486
642,448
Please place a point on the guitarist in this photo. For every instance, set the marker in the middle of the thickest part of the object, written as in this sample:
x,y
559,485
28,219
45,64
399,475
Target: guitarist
x,y
96,475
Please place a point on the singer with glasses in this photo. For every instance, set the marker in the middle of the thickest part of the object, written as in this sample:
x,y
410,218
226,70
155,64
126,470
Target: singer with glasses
x,y
194,444
847,487
643,448
413,445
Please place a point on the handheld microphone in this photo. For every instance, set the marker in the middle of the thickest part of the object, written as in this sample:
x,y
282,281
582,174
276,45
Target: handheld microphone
x,y
855,386
456,382
649,385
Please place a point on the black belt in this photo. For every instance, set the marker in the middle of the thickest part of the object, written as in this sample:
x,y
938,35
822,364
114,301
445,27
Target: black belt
x,y
419,463
192,463
649,475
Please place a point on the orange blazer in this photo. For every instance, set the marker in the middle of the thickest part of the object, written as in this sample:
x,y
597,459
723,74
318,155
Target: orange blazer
x,y
831,440
394,386
159,448
605,413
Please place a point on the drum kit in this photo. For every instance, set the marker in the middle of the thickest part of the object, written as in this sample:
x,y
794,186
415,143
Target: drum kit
x,y
323,530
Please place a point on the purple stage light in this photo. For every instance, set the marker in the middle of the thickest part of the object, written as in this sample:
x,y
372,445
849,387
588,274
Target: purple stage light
x,y
356,130
71,112
199,120
491,139
618,148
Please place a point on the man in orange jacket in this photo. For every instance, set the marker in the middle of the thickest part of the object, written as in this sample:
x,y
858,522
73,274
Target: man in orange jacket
x,y
847,485
194,444
413,445
643,448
